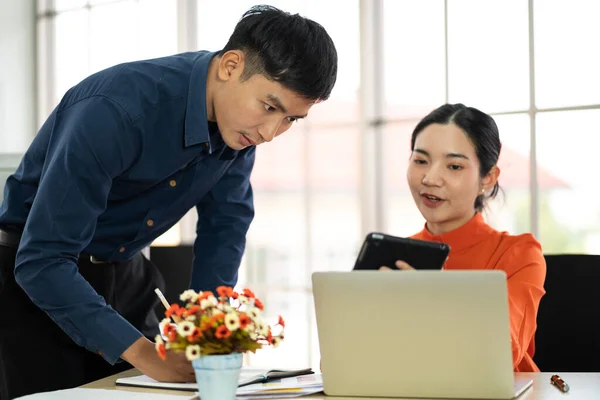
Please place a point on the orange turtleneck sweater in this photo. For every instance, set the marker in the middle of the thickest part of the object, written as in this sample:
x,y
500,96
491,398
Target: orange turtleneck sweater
x,y
476,245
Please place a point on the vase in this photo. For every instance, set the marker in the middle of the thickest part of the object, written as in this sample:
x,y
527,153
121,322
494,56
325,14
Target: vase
x,y
217,375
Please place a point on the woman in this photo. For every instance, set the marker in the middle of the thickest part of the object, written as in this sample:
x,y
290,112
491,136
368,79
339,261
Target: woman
x,y
452,172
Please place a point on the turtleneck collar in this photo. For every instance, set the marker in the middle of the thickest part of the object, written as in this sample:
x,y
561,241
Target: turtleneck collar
x,y
463,237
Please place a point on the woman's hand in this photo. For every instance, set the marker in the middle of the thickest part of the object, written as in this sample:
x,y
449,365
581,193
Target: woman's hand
x,y
399,265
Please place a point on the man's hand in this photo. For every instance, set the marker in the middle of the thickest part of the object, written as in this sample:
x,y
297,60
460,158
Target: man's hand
x,y
142,355
399,265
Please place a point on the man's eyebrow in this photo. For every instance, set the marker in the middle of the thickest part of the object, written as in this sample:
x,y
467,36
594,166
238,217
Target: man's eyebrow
x,y
277,103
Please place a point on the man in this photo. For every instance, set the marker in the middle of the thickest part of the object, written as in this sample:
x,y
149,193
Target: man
x,y
126,153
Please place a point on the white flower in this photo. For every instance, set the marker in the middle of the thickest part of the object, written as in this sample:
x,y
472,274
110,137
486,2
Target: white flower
x,y
189,295
190,318
232,321
185,328
211,301
253,313
262,328
192,352
252,335
243,299
276,341
226,308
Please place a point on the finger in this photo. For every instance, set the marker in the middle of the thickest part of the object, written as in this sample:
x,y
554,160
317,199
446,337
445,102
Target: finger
x,y
403,265
384,268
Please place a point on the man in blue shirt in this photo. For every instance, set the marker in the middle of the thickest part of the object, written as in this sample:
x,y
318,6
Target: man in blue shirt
x,y
126,153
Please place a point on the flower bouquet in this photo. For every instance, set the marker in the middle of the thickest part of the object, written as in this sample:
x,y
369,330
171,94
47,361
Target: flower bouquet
x,y
214,332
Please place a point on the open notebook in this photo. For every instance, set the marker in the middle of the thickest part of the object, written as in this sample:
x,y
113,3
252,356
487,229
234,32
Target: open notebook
x,y
248,376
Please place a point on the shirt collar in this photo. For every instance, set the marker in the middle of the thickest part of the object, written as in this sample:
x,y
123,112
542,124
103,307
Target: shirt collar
x,y
196,124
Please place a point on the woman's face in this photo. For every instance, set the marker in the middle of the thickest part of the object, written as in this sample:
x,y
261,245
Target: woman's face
x,y
444,177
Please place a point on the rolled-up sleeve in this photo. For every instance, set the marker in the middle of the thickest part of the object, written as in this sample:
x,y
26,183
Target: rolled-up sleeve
x,y
92,141
224,216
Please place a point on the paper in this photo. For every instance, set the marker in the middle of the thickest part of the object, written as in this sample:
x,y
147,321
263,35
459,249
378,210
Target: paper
x,y
246,375
287,387
93,394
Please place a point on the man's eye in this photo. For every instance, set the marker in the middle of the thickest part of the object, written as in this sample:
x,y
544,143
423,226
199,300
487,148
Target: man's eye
x,y
292,119
269,108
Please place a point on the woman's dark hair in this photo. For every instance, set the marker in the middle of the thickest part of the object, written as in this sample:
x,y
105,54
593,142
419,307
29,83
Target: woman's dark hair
x,y
480,128
292,50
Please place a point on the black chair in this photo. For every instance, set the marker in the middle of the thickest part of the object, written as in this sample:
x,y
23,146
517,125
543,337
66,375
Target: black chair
x,y
175,264
568,322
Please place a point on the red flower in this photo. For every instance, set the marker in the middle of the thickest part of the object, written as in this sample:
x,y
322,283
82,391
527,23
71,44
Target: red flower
x,y
222,332
172,335
248,293
234,295
171,310
270,337
281,321
162,351
258,304
244,321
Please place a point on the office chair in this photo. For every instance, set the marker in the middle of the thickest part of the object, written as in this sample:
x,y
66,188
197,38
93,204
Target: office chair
x,y
568,322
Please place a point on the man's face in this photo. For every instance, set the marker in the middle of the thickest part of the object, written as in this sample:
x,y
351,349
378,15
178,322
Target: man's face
x,y
253,111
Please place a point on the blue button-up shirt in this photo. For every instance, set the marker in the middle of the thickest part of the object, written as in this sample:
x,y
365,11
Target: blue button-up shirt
x,y
121,159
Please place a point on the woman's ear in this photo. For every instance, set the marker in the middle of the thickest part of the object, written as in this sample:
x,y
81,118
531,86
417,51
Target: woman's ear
x,y
491,178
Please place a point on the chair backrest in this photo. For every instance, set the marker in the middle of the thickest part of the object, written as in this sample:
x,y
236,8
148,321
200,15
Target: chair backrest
x,y
568,332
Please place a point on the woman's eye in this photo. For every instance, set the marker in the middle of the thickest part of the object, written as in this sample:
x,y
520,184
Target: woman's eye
x,y
455,167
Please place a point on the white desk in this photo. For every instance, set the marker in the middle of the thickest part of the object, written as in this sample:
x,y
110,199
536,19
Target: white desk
x,y
584,386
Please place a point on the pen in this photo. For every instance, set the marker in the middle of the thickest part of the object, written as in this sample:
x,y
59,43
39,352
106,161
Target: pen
x,y
165,303
559,383
162,298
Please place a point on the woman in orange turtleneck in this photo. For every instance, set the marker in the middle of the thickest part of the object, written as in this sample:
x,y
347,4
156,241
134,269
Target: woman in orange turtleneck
x,y
452,172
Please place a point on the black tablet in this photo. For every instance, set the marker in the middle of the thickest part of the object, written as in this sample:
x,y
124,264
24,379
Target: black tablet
x,y
380,249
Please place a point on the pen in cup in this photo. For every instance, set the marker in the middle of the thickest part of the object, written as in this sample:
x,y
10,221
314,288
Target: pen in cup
x,y
559,383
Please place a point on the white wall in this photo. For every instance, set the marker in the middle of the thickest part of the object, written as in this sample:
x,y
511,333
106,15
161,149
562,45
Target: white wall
x,y
17,75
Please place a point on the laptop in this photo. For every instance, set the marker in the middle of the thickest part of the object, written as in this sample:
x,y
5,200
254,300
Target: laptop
x,y
426,334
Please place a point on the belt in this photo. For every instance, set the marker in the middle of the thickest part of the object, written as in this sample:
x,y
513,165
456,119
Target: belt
x,y
9,239
12,239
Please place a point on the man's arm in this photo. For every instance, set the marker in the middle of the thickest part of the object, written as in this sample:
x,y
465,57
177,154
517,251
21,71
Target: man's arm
x,y
224,216
90,143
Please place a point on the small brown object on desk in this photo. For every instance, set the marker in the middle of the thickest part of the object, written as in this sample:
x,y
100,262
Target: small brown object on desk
x,y
559,383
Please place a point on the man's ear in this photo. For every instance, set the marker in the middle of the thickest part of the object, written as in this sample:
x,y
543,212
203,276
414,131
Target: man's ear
x,y
231,65
491,178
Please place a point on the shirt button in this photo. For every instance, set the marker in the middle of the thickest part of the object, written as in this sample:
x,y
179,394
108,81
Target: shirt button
x,y
122,249
206,144
150,222
173,183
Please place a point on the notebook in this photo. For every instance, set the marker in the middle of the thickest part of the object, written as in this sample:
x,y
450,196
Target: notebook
x,y
248,376
417,334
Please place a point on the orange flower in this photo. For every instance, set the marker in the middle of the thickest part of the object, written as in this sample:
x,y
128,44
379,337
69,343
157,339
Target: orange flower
x,y
162,351
234,295
168,328
193,310
224,291
171,310
205,295
281,321
196,334
172,335
244,321
259,304
270,337
248,293
222,332
180,311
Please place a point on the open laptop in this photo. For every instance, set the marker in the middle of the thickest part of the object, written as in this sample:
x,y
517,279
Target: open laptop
x,y
427,334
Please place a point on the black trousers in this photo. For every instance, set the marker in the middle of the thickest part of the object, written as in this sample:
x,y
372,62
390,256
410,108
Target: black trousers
x,y
35,353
